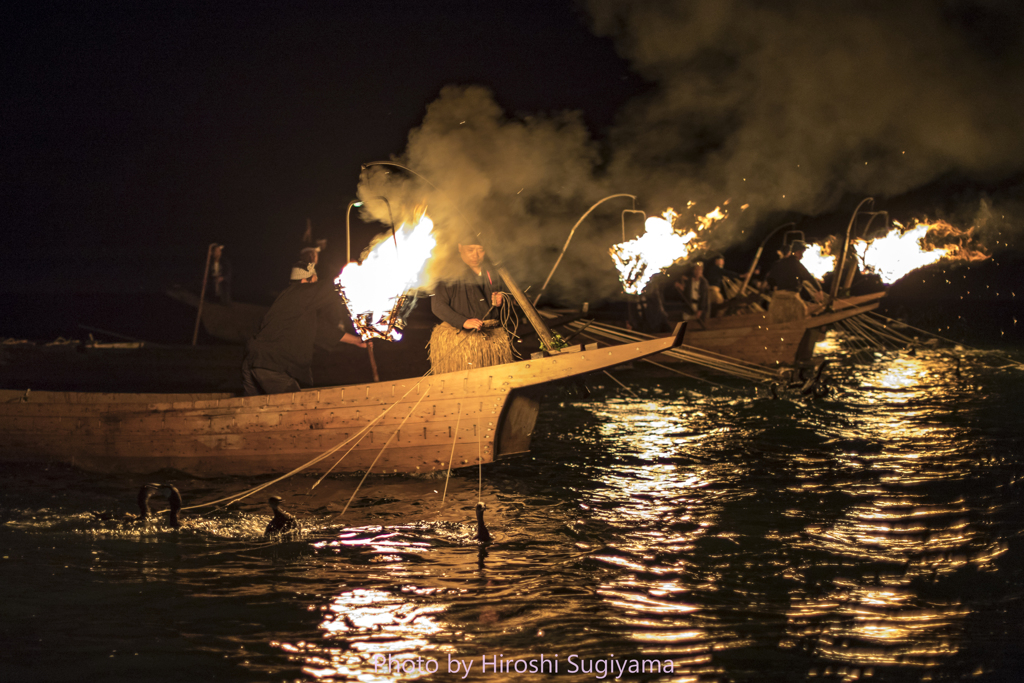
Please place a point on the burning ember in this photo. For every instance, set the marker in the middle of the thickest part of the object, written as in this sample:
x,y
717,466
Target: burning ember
x,y
378,290
661,245
900,251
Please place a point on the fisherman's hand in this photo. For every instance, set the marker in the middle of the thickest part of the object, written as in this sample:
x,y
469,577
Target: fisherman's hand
x,y
353,340
473,324
496,298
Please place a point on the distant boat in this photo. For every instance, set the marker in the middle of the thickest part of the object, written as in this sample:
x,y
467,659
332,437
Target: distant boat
x,y
413,425
234,322
751,338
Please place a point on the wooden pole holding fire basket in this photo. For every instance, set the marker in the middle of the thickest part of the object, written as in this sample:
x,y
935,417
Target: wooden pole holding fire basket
x,y
373,360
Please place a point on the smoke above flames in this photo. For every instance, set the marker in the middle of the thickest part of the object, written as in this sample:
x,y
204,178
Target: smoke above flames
x,y
785,106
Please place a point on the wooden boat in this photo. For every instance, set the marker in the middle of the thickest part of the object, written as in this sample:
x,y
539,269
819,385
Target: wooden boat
x,y
756,338
233,323
752,338
411,426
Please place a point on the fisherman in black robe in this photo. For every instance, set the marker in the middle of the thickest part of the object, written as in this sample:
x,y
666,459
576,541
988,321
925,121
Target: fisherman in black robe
x,y
279,356
464,302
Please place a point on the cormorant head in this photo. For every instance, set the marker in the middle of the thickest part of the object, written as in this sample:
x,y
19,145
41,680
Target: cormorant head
x,y
145,493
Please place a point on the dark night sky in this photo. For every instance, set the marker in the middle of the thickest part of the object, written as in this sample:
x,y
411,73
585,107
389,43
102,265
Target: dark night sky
x,y
135,133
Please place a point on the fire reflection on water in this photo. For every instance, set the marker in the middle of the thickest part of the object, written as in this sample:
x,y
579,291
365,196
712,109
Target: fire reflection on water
x,y
874,598
740,536
897,543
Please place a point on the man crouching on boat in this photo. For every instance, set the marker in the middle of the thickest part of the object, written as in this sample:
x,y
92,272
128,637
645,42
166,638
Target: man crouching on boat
x,y
468,337
279,357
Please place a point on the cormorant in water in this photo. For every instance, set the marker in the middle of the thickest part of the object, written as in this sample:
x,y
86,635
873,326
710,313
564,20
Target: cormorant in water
x,y
814,386
145,493
173,499
482,534
282,521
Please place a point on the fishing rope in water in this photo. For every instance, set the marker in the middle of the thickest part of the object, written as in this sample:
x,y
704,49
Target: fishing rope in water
x,y
480,461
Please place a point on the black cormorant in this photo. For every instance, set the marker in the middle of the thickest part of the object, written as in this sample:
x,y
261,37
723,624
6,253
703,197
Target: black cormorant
x,y
173,499
482,534
282,521
814,385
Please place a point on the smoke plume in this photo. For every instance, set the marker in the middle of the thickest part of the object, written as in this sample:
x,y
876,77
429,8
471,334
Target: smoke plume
x,y
785,106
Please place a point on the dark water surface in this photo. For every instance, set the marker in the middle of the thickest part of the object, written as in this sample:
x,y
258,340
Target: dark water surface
x,y
873,535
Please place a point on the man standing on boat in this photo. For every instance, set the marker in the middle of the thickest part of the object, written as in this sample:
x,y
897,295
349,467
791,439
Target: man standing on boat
x,y
279,357
787,278
714,271
220,274
468,337
693,289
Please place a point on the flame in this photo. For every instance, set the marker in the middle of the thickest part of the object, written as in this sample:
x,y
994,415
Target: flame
x,y
900,251
817,261
377,289
922,244
661,245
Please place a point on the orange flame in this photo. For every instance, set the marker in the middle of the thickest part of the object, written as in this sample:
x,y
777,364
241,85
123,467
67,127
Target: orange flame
x,y
900,251
376,289
922,244
661,245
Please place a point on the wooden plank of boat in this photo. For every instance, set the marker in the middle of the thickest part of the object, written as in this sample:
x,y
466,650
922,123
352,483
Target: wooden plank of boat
x,y
414,425
753,320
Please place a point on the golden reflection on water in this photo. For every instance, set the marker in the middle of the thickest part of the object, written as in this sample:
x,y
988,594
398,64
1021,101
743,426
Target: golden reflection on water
x,y
898,541
651,498
877,602
371,633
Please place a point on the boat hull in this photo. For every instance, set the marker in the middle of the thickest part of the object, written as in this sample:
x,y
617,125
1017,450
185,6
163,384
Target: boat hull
x,y
407,426
750,338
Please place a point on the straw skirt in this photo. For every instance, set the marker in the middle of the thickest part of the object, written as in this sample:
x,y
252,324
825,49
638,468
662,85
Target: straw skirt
x,y
454,350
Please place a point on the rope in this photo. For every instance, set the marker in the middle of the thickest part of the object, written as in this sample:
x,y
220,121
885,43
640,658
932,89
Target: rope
x,y
383,448
325,454
480,462
665,367
612,377
452,456
951,341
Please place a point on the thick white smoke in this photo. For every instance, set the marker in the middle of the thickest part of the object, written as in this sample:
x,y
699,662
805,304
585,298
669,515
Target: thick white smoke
x,y
785,106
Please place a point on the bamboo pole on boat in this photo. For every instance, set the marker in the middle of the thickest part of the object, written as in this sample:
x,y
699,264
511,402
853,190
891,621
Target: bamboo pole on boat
x,y
531,313
202,292
846,245
569,239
